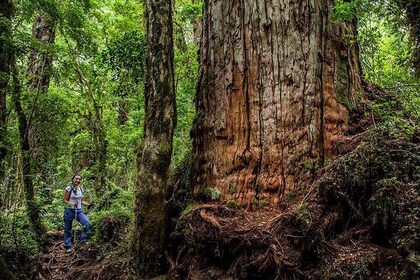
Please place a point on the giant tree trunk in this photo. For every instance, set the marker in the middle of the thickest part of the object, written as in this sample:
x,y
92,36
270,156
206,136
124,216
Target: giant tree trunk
x,y
5,59
149,207
277,81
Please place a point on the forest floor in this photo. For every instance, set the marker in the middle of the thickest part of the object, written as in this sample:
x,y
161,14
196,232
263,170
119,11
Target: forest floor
x,y
82,261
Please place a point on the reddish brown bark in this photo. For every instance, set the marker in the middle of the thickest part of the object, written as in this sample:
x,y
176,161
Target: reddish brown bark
x,y
276,83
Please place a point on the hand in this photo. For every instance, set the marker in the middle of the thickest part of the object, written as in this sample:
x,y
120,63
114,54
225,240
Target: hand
x,y
75,203
91,205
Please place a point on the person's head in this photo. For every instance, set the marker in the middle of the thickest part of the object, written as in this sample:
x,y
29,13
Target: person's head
x,y
76,179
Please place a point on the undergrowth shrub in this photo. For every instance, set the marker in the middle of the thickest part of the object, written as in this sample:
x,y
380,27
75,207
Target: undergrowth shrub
x,y
18,244
379,182
111,217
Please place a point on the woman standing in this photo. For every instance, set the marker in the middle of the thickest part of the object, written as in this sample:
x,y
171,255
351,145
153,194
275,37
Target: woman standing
x,y
73,198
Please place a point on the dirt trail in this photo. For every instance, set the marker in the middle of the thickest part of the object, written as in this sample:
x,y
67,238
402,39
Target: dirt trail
x,y
80,263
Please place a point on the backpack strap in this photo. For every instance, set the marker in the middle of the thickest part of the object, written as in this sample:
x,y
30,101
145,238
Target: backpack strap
x,y
72,190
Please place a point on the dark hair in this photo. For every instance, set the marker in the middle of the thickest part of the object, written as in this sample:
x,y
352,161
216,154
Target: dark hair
x,y
75,175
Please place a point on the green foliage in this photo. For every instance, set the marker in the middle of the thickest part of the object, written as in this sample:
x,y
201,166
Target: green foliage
x,y
209,194
190,12
388,52
344,10
126,54
187,209
398,109
18,245
385,54
111,216
411,20
232,204
53,207
110,227
382,205
377,182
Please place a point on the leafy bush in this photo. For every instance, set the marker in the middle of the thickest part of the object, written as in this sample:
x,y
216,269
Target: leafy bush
x,y
18,244
110,227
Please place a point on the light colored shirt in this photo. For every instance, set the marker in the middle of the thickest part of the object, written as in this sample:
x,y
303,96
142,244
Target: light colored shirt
x,y
76,195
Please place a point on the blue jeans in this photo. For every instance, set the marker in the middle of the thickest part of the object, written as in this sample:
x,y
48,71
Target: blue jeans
x,y
69,216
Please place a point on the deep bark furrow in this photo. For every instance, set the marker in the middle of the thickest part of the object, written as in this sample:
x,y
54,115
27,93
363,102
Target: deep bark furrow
x,y
271,109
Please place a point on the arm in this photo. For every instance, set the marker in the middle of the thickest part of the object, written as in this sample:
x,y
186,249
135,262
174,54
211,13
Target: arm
x,y
85,203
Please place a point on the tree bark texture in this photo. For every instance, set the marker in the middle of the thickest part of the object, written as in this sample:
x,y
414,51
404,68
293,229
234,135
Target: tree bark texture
x,y
5,60
40,59
277,81
155,157
38,80
197,28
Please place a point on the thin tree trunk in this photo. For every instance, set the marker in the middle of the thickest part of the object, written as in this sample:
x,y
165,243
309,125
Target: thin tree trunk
x,y
277,82
32,207
155,158
197,28
5,59
38,81
102,149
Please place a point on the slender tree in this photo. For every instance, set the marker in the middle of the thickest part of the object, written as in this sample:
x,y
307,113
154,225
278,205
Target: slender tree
x,y
155,157
5,60
32,206
40,63
277,82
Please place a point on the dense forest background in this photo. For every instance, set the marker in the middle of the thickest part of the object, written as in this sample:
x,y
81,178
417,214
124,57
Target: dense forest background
x,y
72,101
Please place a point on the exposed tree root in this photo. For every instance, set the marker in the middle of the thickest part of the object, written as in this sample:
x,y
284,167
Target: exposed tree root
x,y
356,223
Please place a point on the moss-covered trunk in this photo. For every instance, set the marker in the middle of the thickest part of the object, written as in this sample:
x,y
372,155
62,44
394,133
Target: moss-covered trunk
x,y
32,207
39,67
5,60
155,157
38,80
277,81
